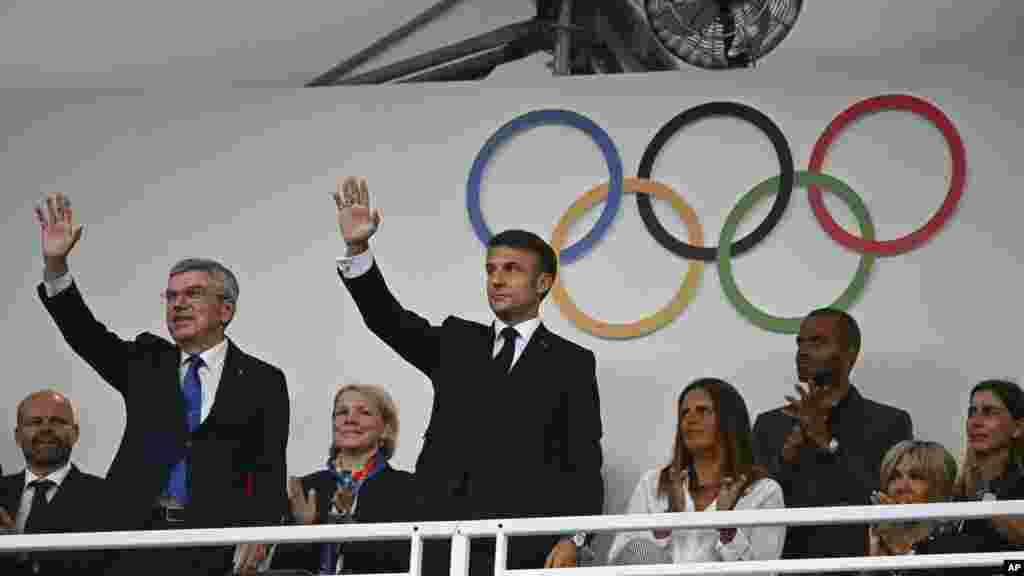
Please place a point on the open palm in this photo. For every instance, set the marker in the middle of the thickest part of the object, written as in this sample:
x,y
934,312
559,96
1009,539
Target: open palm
x,y
59,232
356,221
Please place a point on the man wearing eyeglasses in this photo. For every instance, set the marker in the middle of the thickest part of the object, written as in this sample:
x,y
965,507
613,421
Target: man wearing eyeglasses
x,y
51,495
207,426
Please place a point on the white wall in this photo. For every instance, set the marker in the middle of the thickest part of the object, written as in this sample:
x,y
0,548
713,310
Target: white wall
x,y
244,176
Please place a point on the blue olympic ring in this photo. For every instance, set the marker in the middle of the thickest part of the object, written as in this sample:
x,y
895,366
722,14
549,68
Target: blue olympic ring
x,y
542,118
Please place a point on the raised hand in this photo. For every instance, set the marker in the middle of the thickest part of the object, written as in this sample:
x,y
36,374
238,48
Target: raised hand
x,y
356,221
303,506
59,233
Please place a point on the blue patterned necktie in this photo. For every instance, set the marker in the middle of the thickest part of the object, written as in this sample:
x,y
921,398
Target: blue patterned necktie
x,y
192,391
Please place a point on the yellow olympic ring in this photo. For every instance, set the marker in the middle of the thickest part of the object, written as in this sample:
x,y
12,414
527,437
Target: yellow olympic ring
x,y
683,296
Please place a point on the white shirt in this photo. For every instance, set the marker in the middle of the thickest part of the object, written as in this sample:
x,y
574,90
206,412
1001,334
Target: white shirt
x,y
525,330
209,375
355,266
57,476
705,545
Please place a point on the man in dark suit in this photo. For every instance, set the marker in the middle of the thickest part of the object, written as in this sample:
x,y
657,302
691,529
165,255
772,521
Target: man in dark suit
x,y
826,447
51,495
207,424
515,429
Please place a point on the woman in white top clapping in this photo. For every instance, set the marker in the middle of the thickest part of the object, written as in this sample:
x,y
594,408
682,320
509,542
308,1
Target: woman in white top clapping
x,y
712,469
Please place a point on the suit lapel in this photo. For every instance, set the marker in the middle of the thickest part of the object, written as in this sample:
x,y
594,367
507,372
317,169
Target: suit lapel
x,y
172,359
230,377
485,338
533,356
67,486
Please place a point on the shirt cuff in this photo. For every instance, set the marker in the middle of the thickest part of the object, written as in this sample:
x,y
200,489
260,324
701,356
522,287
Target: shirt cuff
x,y
56,285
355,266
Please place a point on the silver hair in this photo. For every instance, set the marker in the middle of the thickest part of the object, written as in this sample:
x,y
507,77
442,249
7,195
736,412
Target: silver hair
x,y
217,271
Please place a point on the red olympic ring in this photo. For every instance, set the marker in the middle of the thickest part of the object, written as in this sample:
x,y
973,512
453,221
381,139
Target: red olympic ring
x,y
956,182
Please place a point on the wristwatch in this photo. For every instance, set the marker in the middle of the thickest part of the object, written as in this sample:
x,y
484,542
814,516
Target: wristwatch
x,y
833,446
583,551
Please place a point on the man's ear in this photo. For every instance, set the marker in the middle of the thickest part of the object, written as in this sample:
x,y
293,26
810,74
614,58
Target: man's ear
x,y
544,282
74,438
227,312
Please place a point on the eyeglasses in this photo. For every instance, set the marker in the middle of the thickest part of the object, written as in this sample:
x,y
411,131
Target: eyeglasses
x,y
55,422
192,295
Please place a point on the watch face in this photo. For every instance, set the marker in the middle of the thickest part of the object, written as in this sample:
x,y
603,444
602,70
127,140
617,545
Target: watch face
x,y
579,540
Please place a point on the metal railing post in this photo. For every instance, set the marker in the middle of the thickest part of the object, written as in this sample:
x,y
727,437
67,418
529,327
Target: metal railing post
x,y
500,552
460,554
416,553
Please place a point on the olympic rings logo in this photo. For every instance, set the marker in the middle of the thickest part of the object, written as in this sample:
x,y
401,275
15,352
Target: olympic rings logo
x,y
693,249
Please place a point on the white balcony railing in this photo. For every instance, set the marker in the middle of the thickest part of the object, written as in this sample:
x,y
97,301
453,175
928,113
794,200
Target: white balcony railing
x,y
462,532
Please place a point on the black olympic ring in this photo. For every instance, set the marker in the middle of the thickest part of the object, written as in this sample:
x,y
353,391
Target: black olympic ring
x,y
687,117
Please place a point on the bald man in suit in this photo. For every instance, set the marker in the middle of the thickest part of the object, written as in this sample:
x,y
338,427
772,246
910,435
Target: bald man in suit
x,y
51,495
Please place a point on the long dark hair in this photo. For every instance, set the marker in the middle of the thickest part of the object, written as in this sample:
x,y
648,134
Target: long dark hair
x,y
734,437
1012,397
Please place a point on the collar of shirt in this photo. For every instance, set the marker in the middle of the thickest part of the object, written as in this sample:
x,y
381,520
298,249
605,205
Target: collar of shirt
x,y
525,330
844,407
213,357
57,476
209,375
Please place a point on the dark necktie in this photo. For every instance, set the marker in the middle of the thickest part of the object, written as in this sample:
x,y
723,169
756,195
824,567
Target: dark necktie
x,y
39,504
192,391
504,358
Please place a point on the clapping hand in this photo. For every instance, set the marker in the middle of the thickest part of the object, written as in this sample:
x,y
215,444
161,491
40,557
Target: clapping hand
x,y
889,538
303,506
812,410
250,556
7,522
730,492
562,555
356,221
344,498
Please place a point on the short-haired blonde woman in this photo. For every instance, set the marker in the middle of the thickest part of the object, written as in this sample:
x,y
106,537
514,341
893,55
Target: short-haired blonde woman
x,y
357,485
913,472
